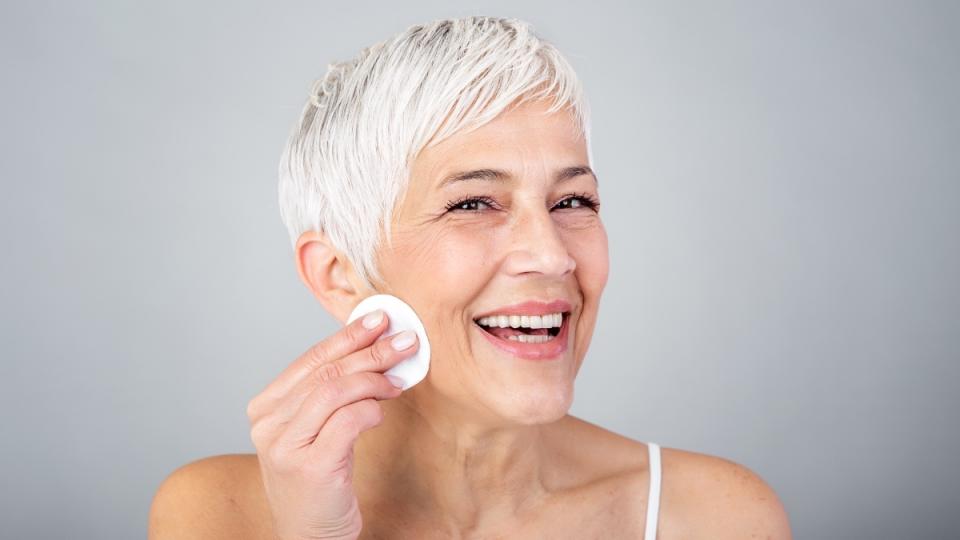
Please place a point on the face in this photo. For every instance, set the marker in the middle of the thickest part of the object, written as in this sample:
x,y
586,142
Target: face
x,y
470,247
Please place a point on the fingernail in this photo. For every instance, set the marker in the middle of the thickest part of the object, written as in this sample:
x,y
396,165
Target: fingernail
x,y
372,319
403,340
396,381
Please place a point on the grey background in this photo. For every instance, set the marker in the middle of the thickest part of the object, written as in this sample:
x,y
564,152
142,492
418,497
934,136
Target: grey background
x,y
781,185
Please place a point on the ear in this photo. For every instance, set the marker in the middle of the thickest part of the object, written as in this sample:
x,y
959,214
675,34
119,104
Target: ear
x,y
328,274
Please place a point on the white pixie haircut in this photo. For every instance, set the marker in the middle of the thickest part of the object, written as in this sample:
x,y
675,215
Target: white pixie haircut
x,y
346,165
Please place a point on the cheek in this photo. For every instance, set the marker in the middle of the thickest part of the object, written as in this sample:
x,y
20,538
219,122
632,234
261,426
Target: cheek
x,y
593,266
458,261
441,271
588,247
443,264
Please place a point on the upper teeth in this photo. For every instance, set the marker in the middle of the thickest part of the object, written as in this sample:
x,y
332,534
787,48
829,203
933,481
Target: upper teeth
x,y
525,321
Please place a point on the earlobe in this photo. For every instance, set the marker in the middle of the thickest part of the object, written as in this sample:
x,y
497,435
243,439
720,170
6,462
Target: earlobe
x,y
325,271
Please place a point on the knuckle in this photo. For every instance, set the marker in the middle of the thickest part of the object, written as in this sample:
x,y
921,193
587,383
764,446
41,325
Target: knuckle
x,y
277,457
354,332
318,354
257,407
349,421
380,352
252,409
373,381
329,391
259,433
327,372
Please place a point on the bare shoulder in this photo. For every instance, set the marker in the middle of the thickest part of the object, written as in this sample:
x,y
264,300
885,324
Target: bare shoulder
x,y
706,496
211,498
702,496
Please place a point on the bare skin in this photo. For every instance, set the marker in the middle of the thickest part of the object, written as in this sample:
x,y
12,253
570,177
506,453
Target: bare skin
x,y
484,447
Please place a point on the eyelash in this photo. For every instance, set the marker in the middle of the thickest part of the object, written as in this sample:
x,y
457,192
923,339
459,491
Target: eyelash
x,y
587,200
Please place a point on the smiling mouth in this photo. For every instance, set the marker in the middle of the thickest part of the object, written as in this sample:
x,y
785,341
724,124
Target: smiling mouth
x,y
524,334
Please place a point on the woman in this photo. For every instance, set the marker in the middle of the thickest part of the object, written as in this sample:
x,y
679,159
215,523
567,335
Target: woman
x,y
450,167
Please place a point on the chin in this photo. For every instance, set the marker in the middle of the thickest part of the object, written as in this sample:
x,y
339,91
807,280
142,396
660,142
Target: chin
x,y
542,405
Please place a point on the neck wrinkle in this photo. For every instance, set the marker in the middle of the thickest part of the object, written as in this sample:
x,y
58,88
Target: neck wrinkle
x,y
450,467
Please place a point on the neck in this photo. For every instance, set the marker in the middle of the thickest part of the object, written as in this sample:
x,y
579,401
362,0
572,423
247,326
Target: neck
x,y
444,464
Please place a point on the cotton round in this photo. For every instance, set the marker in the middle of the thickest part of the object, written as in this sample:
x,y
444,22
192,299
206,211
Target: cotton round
x,y
401,317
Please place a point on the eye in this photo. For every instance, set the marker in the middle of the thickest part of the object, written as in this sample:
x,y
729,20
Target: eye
x,y
574,202
581,200
466,204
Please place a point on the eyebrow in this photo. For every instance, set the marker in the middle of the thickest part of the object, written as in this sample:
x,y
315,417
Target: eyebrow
x,y
504,176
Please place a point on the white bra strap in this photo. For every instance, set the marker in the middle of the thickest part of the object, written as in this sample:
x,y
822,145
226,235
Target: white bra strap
x,y
653,499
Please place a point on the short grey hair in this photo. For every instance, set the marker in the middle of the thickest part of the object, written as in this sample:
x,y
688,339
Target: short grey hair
x,y
346,164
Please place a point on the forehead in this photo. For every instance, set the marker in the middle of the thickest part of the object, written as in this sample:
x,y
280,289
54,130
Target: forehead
x,y
522,137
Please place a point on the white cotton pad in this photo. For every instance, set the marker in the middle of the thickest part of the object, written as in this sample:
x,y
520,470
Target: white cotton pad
x,y
401,317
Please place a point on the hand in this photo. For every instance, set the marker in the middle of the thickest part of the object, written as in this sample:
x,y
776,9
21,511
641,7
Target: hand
x,y
304,425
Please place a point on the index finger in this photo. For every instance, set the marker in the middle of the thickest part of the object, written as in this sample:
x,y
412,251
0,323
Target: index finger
x,y
348,339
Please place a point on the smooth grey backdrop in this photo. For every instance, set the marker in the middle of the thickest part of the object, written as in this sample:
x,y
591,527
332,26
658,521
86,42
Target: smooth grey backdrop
x,y
781,187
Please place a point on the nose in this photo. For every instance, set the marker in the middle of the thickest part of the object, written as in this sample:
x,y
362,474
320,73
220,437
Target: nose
x,y
538,246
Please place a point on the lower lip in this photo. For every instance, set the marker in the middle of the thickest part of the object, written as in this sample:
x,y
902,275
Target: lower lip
x,y
549,350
